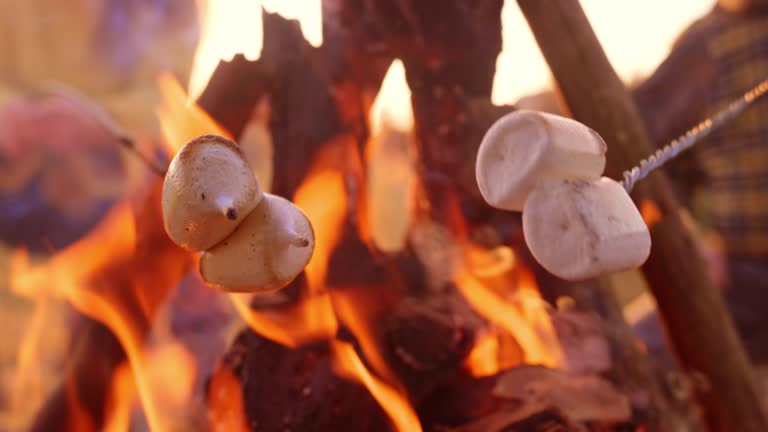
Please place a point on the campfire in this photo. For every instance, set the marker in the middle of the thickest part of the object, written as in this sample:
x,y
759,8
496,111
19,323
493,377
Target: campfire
x,y
421,308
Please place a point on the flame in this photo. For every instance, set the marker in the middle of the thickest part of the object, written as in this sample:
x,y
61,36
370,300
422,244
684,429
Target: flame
x,y
357,312
527,320
121,399
483,360
116,286
392,105
72,267
225,402
171,372
347,363
45,337
181,122
79,420
230,27
487,263
322,197
391,162
650,212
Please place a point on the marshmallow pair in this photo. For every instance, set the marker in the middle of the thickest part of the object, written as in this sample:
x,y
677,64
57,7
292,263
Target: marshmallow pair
x,y
577,224
251,240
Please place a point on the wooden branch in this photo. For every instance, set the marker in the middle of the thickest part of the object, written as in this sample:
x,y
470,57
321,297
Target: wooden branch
x,y
697,321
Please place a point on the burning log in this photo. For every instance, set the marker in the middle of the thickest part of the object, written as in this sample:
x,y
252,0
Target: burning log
x,y
701,331
527,398
301,85
296,389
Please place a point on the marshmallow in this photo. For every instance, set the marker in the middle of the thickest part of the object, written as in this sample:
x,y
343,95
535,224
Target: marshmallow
x,y
579,229
525,146
266,251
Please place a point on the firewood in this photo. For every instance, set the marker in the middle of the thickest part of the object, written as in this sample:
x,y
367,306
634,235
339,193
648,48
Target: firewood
x,y
296,389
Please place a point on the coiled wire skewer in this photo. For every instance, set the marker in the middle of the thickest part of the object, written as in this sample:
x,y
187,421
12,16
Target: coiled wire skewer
x,y
686,141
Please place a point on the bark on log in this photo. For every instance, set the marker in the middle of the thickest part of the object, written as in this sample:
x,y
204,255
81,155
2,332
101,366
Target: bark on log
x,y
700,328
296,389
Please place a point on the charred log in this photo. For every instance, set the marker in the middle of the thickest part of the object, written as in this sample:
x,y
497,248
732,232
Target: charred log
x,y
296,389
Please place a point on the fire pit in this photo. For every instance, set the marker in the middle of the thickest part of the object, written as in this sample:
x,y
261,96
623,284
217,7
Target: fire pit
x,y
421,308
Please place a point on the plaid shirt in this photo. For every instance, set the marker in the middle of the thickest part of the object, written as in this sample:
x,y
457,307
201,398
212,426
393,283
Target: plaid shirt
x,y
714,62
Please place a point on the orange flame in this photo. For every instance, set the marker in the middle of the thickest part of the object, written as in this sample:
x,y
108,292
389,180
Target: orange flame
x,y
356,312
225,402
650,212
483,360
171,370
322,198
113,285
230,27
45,335
527,320
347,363
121,399
181,122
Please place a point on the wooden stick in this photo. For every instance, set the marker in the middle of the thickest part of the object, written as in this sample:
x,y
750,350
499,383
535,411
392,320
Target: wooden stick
x,y
697,321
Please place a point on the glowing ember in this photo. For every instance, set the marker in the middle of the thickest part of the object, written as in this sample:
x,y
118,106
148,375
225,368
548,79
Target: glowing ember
x,y
230,27
400,412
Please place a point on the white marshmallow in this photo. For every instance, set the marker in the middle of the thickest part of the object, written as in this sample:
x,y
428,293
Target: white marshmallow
x,y
525,146
579,229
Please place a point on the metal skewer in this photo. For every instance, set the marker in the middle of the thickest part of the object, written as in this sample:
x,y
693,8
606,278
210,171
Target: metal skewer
x,y
686,141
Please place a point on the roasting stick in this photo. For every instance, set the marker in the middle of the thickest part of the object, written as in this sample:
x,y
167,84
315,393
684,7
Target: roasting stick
x,y
100,116
693,136
201,210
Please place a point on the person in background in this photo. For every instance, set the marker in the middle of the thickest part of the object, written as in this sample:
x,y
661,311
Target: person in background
x,y
723,180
